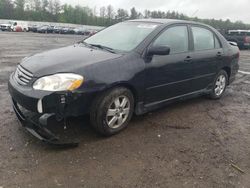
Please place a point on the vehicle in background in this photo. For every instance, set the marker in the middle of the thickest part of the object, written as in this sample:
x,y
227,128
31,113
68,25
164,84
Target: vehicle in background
x,y
5,27
18,29
46,29
14,26
32,28
241,37
64,30
80,31
58,29
18,26
68,30
71,30
90,32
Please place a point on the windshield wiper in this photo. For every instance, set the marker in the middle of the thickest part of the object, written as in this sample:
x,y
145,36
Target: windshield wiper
x,y
102,47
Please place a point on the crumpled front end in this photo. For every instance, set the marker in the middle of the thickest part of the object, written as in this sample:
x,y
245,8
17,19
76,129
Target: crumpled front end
x,y
43,106
36,124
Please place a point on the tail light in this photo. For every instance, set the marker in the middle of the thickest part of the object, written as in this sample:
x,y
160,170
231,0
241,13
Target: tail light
x,y
247,40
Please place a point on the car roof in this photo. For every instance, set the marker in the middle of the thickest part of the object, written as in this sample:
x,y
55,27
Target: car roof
x,y
165,21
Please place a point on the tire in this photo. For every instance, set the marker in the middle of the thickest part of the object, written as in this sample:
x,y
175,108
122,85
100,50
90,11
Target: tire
x,y
118,118
219,86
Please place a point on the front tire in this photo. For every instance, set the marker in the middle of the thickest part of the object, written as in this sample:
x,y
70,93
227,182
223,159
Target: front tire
x,y
112,111
219,85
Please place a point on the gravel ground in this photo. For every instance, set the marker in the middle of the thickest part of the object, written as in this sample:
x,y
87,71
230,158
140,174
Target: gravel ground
x,y
188,144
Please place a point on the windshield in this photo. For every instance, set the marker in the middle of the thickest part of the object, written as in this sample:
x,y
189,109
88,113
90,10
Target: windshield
x,y
123,36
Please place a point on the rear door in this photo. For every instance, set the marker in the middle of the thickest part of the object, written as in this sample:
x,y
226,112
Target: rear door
x,y
206,56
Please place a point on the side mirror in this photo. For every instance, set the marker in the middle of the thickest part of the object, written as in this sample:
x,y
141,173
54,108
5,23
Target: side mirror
x,y
158,50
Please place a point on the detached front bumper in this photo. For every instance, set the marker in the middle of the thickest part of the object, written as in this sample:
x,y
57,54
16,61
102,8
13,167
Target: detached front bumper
x,y
36,125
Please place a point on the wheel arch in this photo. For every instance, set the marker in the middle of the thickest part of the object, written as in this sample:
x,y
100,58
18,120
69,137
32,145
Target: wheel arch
x,y
127,86
228,71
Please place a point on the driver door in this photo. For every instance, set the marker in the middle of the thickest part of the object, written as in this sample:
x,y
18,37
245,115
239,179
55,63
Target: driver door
x,y
169,76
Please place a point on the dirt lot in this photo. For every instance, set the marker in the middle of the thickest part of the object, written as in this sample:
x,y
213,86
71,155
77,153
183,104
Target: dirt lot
x,y
188,144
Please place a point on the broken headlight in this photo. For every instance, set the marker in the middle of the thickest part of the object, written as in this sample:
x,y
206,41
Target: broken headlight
x,y
59,82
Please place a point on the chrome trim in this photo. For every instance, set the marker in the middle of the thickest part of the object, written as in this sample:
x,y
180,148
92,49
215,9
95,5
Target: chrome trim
x,y
22,76
25,71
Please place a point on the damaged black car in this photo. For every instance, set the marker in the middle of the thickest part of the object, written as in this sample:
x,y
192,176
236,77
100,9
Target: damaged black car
x,y
129,68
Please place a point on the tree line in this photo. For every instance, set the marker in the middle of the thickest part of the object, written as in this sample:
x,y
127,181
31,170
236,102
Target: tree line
x,y
54,11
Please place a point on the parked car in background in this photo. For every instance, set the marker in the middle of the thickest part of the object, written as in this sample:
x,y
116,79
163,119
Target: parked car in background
x,y
65,30
79,31
18,26
131,67
71,30
241,37
32,28
90,32
68,30
58,29
45,29
5,27
18,29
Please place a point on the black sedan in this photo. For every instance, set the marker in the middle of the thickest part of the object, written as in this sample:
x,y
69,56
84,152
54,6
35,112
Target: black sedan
x,y
131,67
67,30
45,29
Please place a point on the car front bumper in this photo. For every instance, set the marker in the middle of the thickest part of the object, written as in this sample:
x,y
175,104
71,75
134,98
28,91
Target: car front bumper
x,y
37,125
57,105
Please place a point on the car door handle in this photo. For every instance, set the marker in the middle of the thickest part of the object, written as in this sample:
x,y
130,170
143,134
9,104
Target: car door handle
x,y
188,59
219,54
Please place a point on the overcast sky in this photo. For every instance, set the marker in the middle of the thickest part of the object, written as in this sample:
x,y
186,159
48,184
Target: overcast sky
x,y
218,9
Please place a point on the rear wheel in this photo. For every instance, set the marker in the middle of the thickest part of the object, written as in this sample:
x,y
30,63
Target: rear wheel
x,y
219,85
111,112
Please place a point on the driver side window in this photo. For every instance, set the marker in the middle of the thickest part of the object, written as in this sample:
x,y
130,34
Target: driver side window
x,y
175,37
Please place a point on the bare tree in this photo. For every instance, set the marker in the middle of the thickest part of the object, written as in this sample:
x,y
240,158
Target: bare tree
x,y
57,7
122,14
51,6
110,12
133,13
37,5
45,4
103,12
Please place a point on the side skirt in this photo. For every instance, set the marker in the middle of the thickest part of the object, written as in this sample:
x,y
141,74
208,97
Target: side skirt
x,y
142,108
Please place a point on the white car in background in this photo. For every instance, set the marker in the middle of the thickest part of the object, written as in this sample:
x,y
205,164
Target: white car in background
x,y
5,27
15,26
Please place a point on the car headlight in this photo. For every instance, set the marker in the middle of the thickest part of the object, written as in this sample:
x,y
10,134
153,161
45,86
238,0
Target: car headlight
x,y
59,82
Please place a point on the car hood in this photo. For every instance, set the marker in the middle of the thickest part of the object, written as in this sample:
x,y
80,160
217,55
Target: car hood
x,y
66,59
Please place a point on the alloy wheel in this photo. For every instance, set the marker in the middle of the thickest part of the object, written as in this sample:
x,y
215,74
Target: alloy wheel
x,y
118,112
220,85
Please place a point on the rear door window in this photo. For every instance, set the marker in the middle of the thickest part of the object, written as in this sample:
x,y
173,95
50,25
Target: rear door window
x,y
216,42
203,39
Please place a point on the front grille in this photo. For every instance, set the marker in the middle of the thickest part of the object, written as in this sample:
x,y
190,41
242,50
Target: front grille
x,y
22,76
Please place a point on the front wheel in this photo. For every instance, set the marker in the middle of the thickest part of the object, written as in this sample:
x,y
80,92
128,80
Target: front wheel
x,y
219,85
111,112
